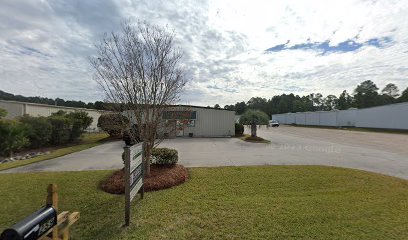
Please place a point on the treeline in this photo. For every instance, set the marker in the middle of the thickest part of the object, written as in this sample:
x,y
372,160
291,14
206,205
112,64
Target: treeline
x,y
98,105
365,95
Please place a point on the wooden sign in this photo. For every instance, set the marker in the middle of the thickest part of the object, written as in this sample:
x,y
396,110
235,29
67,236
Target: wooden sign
x,y
133,176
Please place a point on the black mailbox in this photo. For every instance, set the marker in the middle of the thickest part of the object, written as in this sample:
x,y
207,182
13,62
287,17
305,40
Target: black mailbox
x,y
33,226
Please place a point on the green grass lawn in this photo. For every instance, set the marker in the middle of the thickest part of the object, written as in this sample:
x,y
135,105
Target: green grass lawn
x,y
269,202
88,140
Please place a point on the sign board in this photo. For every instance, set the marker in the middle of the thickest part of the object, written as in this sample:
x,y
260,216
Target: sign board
x,y
133,175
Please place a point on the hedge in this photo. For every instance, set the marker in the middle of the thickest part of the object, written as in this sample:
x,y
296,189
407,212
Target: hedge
x,y
33,132
161,156
113,123
12,137
239,129
39,130
164,156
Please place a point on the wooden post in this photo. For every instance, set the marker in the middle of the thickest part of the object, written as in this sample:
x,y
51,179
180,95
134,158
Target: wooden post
x,y
127,187
143,170
52,199
65,235
64,219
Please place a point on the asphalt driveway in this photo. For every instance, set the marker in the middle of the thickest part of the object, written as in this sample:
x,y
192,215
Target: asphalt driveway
x,y
377,152
101,157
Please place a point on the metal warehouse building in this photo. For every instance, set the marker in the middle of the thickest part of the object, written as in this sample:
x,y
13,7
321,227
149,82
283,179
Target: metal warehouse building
x,y
17,109
392,116
209,122
197,122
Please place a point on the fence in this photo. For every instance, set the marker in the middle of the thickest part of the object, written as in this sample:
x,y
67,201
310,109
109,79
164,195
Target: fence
x,y
393,116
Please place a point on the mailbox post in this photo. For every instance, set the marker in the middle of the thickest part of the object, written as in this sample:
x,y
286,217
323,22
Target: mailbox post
x,y
44,224
34,226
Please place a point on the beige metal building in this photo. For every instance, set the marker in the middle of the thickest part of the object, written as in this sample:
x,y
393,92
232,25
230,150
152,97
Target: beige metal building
x,y
17,109
194,121
207,122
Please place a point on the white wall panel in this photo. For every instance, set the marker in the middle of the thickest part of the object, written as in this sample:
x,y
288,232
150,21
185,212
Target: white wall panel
x,y
14,109
347,118
300,118
312,118
281,118
290,118
393,116
328,118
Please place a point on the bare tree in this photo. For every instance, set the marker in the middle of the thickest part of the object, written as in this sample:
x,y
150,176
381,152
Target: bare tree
x,y
140,72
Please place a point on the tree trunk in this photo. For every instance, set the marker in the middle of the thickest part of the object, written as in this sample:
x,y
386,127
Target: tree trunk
x,y
148,155
253,130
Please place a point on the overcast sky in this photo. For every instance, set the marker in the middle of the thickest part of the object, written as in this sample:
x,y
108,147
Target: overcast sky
x,y
234,49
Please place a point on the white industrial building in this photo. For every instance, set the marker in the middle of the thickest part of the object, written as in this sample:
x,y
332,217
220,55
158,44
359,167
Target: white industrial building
x,y
195,121
16,109
393,116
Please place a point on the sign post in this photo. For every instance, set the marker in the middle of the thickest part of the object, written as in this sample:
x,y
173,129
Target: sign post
x,y
133,175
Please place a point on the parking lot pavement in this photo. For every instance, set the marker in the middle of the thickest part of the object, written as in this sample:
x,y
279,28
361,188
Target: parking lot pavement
x,y
377,152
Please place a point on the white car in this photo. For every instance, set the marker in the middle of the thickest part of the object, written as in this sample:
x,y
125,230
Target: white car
x,y
273,123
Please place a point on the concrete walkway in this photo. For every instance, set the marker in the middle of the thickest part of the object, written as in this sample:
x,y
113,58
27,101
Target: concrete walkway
x,y
377,152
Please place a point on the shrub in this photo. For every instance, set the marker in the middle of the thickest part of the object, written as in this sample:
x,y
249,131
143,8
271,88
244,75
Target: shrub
x,y
12,137
61,129
68,127
39,130
80,122
112,123
164,156
239,129
3,113
76,130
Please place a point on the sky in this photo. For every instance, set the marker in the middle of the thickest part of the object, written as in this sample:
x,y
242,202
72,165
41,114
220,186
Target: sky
x,y
233,50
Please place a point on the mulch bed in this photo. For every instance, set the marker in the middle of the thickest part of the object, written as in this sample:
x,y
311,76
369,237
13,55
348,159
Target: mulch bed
x,y
254,139
161,177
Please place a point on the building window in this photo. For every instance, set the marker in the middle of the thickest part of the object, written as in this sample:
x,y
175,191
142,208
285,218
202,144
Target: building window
x,y
176,115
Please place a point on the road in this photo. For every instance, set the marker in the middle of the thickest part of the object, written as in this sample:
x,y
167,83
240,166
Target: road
x,y
376,152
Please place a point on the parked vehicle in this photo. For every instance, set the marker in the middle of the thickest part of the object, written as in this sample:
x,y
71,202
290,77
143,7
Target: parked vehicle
x,y
273,123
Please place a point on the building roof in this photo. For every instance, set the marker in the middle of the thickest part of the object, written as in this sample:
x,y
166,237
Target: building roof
x,y
53,106
182,105
91,109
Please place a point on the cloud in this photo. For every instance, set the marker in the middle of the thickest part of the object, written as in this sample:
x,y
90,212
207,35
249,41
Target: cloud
x,y
349,45
318,46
